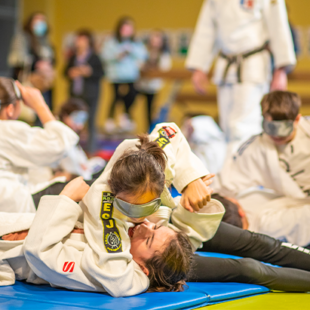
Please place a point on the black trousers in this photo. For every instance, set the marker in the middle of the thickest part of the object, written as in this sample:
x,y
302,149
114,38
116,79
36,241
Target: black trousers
x,y
128,99
295,275
149,102
54,189
92,130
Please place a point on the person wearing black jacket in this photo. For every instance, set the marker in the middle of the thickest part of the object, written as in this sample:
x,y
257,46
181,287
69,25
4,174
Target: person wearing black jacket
x,y
84,70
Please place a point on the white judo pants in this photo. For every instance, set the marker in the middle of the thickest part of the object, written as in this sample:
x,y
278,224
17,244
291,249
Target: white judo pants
x,y
240,112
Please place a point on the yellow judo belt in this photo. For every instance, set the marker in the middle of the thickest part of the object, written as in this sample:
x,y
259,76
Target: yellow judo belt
x,y
111,237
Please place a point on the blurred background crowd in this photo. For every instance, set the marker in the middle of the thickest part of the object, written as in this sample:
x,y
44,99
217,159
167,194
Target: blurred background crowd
x,y
93,62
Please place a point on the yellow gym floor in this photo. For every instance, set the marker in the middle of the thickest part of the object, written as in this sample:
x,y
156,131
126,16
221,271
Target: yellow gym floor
x,y
274,301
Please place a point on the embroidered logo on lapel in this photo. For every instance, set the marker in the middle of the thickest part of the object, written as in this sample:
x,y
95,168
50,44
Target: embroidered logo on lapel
x,y
163,138
111,237
169,131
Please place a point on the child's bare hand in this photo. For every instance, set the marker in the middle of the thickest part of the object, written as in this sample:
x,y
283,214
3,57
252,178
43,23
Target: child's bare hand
x,y
207,179
32,97
76,189
196,195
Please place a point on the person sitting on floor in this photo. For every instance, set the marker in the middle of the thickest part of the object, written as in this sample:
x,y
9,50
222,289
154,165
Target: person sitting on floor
x,y
269,174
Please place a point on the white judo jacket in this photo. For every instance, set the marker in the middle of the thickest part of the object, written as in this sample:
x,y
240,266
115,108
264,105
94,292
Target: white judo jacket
x,y
104,262
53,254
23,147
239,26
272,184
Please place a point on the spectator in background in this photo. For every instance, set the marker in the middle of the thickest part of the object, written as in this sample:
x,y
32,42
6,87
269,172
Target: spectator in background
x,y
123,56
158,59
84,71
32,56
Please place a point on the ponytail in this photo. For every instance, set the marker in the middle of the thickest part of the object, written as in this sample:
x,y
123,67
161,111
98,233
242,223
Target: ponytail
x,y
152,148
138,171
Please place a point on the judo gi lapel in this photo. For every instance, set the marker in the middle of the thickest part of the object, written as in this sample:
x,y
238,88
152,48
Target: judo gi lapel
x,y
283,182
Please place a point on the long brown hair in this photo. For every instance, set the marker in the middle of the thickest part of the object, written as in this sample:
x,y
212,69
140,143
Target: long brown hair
x,y
168,270
136,172
7,93
121,22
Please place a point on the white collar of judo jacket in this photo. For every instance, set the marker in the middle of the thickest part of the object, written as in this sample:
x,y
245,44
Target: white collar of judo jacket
x,y
284,183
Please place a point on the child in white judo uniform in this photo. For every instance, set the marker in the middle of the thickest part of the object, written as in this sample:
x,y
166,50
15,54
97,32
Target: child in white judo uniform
x,y
243,33
23,147
270,175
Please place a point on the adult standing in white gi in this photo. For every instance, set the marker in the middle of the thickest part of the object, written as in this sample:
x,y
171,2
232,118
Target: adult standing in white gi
x,y
244,33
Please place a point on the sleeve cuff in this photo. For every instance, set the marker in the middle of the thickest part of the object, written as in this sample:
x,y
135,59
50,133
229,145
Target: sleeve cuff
x,y
187,177
50,201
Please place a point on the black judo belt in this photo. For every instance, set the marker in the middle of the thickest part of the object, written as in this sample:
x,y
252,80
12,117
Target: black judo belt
x,y
238,59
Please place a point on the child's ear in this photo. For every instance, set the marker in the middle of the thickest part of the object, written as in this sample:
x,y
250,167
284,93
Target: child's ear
x,y
144,269
297,119
10,110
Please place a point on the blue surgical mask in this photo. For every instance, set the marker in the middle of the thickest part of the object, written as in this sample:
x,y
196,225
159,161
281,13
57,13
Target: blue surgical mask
x,y
40,28
79,117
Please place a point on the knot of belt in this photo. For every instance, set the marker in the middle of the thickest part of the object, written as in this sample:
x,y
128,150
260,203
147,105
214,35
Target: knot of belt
x,y
238,59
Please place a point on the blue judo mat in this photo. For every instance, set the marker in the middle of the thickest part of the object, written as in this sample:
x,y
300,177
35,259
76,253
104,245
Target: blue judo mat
x,y
31,297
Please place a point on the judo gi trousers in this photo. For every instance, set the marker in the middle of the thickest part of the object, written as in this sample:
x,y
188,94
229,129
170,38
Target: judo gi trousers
x,y
254,247
240,112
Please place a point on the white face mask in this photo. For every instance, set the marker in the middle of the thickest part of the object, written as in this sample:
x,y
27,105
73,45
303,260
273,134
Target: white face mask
x,y
40,28
279,129
137,211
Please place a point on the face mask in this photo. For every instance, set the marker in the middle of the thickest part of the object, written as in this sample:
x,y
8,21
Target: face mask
x,y
40,28
137,211
79,117
278,128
